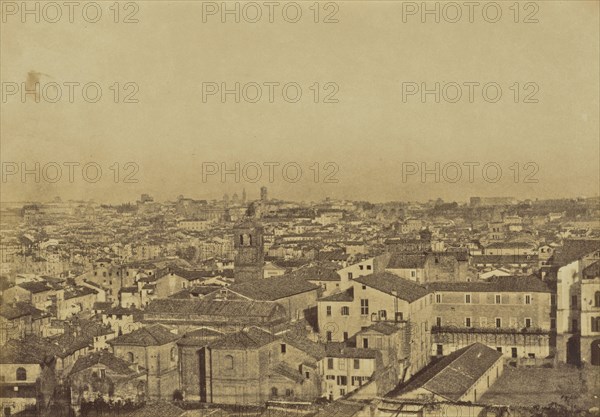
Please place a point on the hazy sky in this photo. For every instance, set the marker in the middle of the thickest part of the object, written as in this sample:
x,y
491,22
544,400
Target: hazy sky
x,y
369,134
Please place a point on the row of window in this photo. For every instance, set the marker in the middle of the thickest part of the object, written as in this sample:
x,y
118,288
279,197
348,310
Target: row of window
x,y
497,299
468,322
574,303
342,364
343,379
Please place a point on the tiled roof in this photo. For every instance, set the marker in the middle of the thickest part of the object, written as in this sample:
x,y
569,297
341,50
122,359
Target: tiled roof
x,y
271,289
19,309
504,259
30,350
592,271
313,349
288,372
317,273
340,350
159,409
494,284
383,328
342,408
452,376
154,335
199,337
251,338
574,249
345,296
230,308
390,284
105,358
406,261
35,286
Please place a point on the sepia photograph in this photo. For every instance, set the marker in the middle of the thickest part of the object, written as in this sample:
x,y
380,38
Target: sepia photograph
x,y
303,208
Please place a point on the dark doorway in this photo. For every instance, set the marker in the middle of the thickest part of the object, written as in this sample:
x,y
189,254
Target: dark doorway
x,y
595,348
573,349
202,374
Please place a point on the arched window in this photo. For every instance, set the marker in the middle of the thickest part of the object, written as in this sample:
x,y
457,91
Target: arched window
x,y
21,374
228,362
274,392
597,299
241,239
130,356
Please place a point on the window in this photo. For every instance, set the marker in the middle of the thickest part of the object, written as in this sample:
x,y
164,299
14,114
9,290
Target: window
x,y
329,336
438,321
21,374
356,363
329,363
342,391
345,311
574,325
527,322
342,380
573,301
289,392
467,298
438,298
364,287
307,375
173,354
468,321
513,352
439,350
228,362
130,356
413,274
360,267
274,392
498,299
102,373
597,299
283,348
349,275
365,343
498,322
382,315
596,324
369,267
330,377
364,307
345,335
356,380
342,364
531,355
499,349
328,311
527,299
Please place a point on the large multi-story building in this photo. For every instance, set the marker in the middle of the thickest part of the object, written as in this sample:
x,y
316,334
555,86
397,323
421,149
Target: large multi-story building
x,y
510,314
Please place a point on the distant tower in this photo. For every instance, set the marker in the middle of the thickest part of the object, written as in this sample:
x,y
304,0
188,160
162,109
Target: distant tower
x,y
263,193
249,258
244,196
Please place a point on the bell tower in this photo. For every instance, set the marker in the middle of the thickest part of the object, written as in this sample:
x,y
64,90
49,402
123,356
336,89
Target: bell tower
x,y
249,258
